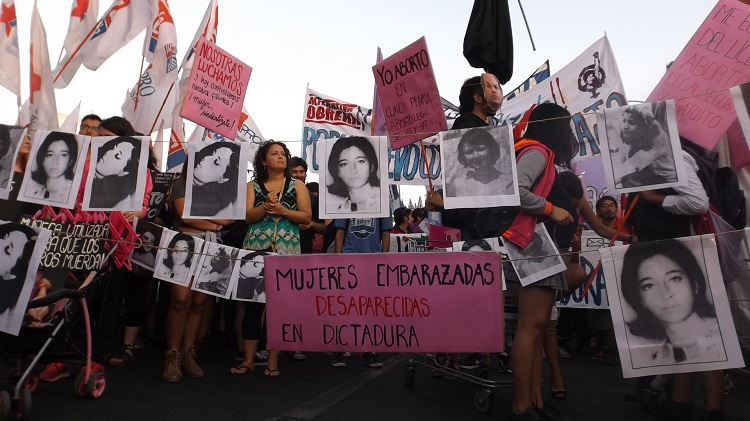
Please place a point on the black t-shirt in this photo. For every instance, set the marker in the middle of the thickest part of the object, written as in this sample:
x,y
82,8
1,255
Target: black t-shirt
x,y
12,208
561,198
306,237
467,121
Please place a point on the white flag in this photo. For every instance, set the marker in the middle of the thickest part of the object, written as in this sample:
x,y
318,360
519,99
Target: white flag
x,y
43,111
160,47
83,15
71,121
123,21
10,65
148,114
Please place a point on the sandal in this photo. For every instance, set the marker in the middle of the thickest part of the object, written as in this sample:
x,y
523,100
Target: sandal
x,y
240,370
124,357
559,394
271,373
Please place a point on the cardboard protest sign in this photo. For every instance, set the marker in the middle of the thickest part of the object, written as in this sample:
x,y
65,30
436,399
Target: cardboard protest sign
x,y
329,118
596,297
216,91
409,95
590,82
161,182
714,60
669,307
73,246
381,302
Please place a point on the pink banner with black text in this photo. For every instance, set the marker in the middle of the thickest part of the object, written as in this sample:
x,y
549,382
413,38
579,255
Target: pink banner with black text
x,y
445,302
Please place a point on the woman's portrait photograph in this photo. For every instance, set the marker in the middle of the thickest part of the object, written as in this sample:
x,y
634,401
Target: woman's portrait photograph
x,y
643,145
214,188
669,311
249,275
482,244
117,173
215,270
539,260
10,138
177,257
53,173
21,250
150,235
479,167
355,178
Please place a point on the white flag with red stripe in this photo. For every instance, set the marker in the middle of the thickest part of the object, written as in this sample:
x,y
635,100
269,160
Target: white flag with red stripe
x,y
10,65
160,47
148,114
43,110
122,22
83,15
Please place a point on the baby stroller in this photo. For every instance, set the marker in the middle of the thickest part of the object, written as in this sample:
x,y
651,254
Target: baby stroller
x,y
66,337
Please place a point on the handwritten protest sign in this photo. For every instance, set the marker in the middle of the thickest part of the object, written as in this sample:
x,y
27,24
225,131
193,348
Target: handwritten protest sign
x,y
716,58
406,165
409,95
79,246
596,297
383,302
216,91
329,118
161,182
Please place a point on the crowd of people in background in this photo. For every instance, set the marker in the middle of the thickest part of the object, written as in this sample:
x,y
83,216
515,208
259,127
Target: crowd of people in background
x,y
282,217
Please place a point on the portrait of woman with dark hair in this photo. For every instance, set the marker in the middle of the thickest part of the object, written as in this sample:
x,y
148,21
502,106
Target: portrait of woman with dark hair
x,y
9,138
250,286
354,184
477,169
215,180
16,247
476,245
150,235
175,266
666,288
115,179
53,168
640,147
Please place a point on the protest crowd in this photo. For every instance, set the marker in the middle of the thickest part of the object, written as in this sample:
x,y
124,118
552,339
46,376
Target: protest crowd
x,y
222,241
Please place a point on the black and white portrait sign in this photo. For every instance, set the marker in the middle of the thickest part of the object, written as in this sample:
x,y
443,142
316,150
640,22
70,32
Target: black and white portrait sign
x,y
10,138
150,235
21,249
669,307
216,186
539,260
177,258
354,182
215,270
53,173
479,167
643,147
483,244
117,173
248,276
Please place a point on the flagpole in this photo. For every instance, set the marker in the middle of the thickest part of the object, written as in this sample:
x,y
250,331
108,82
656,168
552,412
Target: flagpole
x,y
138,87
162,107
77,49
18,104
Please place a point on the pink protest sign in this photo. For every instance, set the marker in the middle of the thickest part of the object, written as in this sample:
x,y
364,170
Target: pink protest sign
x,y
409,95
216,89
716,58
445,302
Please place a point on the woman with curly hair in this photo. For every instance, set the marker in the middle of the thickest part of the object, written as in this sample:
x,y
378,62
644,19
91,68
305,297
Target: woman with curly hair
x,y
276,205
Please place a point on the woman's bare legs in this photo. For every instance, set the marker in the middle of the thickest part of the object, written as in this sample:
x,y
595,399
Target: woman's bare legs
x,y
534,308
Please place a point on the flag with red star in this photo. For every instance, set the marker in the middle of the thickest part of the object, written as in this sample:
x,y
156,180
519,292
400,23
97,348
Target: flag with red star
x,y
83,15
43,110
10,65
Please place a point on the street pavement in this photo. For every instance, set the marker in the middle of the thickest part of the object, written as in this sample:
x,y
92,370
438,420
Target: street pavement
x,y
312,390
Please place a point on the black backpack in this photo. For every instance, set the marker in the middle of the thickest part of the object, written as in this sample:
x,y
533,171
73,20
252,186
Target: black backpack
x,y
721,184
